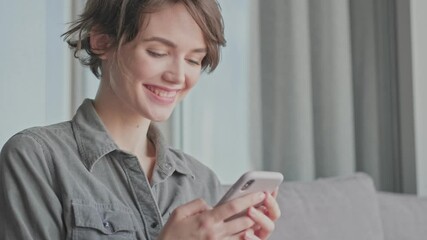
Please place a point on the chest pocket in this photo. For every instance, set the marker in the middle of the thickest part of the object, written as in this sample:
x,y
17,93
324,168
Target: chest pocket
x,y
102,221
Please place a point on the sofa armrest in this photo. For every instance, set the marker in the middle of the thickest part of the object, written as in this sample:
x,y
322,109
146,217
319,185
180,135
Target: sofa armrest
x,y
403,216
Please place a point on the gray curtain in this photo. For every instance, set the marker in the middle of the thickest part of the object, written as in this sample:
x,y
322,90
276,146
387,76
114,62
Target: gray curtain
x,y
307,98
329,90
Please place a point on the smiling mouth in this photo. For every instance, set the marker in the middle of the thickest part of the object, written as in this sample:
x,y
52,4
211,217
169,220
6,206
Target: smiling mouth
x,y
161,92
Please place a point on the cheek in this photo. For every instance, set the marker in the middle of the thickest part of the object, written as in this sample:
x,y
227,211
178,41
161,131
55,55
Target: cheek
x,y
191,81
142,66
193,78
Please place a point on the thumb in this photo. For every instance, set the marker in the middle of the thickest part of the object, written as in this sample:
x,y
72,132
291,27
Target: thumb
x,y
191,208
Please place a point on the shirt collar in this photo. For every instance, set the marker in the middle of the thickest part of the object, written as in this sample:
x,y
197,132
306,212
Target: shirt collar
x,y
91,136
168,160
94,142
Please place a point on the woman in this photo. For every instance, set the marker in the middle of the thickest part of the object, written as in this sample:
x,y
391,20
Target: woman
x,y
108,173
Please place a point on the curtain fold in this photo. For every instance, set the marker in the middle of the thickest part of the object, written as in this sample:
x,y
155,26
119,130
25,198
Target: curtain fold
x,y
306,89
286,89
331,91
332,87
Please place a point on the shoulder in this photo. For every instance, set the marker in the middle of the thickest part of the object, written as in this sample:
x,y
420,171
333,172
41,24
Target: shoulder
x,y
33,144
43,132
49,133
25,140
46,135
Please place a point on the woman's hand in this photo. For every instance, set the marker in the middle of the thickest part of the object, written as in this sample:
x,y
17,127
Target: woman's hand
x,y
197,220
264,218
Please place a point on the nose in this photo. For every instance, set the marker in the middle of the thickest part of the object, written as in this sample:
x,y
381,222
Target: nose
x,y
175,72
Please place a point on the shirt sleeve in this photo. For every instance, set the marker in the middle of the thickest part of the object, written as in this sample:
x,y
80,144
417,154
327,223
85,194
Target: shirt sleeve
x,y
29,207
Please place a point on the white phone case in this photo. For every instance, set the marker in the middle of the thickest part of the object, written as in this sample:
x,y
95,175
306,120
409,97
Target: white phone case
x,y
253,181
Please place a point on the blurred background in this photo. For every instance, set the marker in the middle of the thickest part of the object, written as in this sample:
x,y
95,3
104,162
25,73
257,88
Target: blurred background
x,y
310,88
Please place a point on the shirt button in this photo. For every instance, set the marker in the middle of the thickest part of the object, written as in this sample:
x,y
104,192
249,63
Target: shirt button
x,y
154,225
168,166
106,224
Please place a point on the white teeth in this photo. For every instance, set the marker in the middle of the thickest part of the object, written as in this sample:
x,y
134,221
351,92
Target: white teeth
x,y
162,93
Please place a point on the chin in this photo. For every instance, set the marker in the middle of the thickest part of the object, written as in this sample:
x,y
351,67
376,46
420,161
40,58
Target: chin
x,y
159,120
157,113
160,117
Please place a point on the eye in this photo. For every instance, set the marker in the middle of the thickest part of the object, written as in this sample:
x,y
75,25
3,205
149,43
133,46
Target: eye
x,y
156,54
193,62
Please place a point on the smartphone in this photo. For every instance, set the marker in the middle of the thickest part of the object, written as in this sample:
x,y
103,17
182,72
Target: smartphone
x,y
250,182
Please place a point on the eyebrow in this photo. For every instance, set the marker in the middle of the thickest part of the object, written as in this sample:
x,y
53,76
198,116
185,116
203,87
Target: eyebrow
x,y
171,44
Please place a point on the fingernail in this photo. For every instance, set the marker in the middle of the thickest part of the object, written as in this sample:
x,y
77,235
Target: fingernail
x,y
248,236
263,208
251,210
261,196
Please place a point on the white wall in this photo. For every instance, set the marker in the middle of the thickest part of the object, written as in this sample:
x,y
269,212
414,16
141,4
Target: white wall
x,y
33,82
419,61
22,74
215,114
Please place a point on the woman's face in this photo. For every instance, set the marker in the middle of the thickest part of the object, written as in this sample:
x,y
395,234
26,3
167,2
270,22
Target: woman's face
x,y
160,65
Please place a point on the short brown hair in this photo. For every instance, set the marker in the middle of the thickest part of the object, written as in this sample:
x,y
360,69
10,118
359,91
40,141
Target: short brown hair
x,y
122,19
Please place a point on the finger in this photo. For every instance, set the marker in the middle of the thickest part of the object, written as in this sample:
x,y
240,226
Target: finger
x,y
238,225
249,231
262,209
266,224
235,206
244,234
250,235
275,193
239,236
190,208
272,207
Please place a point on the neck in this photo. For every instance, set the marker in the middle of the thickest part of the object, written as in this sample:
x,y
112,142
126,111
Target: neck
x,y
126,127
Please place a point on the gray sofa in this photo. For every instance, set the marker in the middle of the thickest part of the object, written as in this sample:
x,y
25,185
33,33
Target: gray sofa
x,y
348,208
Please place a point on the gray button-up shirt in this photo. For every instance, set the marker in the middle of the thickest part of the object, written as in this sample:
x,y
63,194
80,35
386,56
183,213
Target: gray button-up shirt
x,y
71,181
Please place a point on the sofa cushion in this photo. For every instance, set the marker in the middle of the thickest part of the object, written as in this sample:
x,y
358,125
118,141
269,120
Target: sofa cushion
x,y
403,216
329,209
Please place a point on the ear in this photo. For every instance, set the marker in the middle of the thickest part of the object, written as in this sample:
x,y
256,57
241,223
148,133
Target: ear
x,y
100,43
